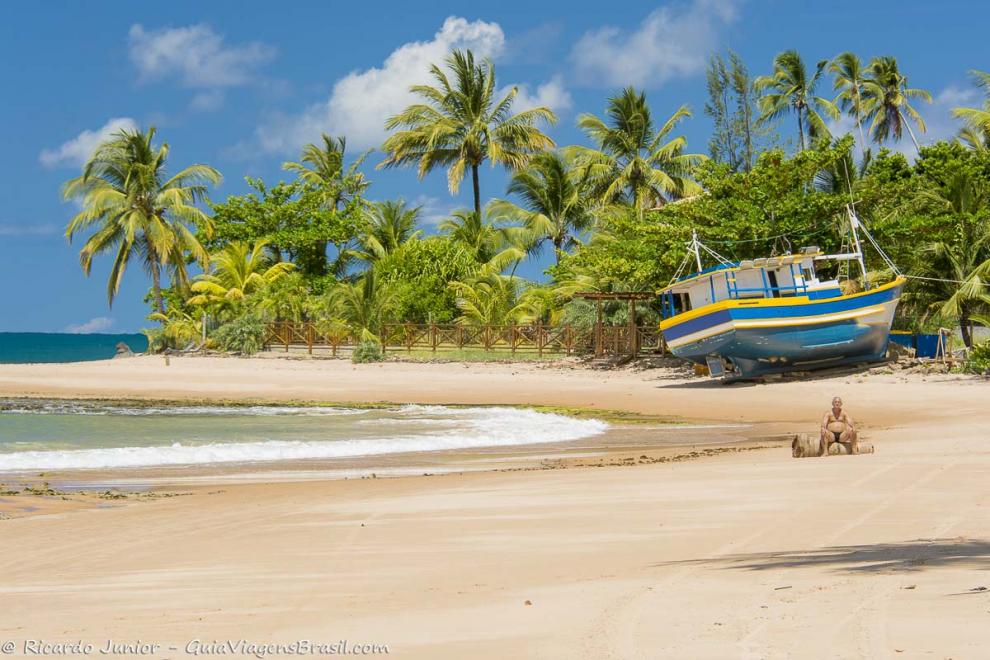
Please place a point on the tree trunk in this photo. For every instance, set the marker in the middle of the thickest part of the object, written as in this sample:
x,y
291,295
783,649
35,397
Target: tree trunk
x,y
862,136
558,249
966,329
156,287
907,125
477,190
800,113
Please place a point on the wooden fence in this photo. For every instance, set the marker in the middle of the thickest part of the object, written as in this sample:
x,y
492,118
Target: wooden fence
x,y
540,339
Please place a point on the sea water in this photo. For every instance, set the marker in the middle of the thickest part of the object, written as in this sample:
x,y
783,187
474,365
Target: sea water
x,y
60,435
23,347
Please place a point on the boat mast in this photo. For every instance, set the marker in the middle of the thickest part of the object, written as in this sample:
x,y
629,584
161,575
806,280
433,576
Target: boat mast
x,y
696,248
854,226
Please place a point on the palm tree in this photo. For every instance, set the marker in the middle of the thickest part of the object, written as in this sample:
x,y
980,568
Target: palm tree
x,y
136,211
887,101
492,244
390,224
490,299
322,167
460,124
365,304
554,206
634,161
849,81
236,272
976,134
960,269
790,89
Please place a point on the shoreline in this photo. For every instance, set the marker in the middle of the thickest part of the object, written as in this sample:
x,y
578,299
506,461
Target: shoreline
x,y
697,554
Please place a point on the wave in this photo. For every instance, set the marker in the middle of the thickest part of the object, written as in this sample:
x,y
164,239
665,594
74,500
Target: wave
x,y
74,408
477,427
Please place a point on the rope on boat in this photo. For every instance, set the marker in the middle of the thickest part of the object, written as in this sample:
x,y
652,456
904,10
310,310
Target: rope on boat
x,y
940,279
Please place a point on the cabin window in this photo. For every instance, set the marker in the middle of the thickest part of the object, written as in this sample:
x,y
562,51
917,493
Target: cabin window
x,y
809,273
774,287
685,302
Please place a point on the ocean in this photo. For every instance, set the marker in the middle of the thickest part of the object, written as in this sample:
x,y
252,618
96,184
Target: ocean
x,y
23,347
72,435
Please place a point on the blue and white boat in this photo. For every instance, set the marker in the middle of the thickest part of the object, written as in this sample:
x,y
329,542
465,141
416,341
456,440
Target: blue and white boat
x,y
752,318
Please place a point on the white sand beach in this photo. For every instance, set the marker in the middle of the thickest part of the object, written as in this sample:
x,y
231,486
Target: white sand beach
x,y
742,554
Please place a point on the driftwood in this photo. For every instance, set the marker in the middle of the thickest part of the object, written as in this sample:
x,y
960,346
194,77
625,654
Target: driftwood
x,y
805,445
838,449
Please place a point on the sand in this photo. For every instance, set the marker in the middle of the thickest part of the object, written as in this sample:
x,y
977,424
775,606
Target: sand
x,y
743,554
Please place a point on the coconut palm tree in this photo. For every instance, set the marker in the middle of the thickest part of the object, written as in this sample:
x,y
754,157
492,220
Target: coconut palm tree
x,y
492,244
365,304
887,101
976,134
635,162
136,210
554,207
460,124
849,79
490,299
236,272
789,89
390,224
323,167
960,269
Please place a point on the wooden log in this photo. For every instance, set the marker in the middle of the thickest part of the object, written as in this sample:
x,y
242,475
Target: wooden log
x,y
838,449
864,447
805,446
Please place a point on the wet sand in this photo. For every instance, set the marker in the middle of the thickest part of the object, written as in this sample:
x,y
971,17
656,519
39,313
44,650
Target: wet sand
x,y
733,554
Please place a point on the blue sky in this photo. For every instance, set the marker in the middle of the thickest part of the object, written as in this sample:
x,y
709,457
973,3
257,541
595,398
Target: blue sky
x,y
241,85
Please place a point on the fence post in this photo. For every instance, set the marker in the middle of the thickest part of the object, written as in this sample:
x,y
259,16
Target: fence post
x,y
309,336
287,334
539,338
512,337
599,331
633,348
568,339
433,335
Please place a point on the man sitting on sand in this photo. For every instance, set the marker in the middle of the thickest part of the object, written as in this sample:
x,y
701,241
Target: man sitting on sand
x,y
838,426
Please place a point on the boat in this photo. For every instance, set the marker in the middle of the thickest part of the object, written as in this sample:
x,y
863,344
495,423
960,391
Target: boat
x,y
749,319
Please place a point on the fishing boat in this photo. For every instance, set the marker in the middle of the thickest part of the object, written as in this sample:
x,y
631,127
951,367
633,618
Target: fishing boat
x,y
751,318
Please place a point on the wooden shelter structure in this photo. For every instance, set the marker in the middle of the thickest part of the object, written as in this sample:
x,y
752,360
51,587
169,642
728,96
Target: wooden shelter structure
x,y
631,297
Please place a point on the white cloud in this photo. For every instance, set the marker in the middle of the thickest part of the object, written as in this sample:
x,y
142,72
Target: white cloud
x,y
360,102
195,55
98,324
76,152
207,101
432,211
671,42
14,229
551,94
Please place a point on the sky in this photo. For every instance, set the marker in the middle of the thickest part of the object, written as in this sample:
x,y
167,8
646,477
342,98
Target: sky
x,y
242,85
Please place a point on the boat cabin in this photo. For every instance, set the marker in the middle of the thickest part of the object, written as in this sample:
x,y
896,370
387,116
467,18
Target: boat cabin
x,y
774,277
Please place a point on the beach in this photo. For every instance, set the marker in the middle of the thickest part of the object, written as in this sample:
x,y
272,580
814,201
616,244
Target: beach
x,y
727,554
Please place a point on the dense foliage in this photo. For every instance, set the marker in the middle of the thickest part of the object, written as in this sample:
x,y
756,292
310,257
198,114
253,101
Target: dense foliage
x,y
616,212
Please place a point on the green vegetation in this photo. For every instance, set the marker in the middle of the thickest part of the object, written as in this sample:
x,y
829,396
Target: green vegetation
x,y
616,211
367,351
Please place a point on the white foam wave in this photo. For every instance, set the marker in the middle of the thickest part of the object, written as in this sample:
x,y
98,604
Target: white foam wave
x,y
477,427
263,411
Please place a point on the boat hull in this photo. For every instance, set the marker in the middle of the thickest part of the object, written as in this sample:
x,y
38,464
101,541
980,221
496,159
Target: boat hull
x,y
759,337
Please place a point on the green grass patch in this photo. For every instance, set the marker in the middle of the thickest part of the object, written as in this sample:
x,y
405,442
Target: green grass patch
x,y
469,355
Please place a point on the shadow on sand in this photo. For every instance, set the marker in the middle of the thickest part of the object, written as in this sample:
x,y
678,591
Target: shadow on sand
x,y
916,555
